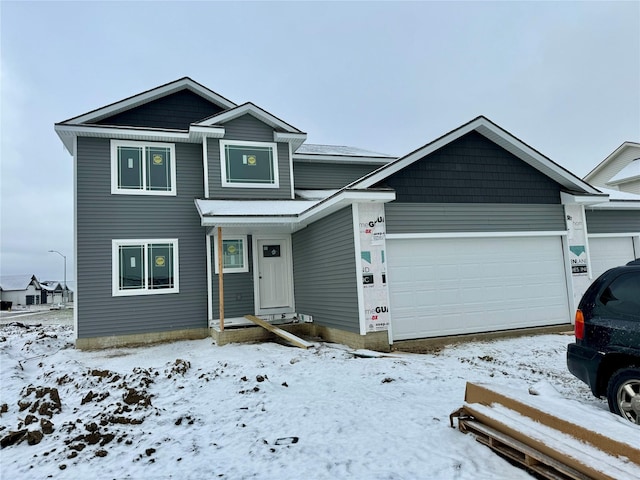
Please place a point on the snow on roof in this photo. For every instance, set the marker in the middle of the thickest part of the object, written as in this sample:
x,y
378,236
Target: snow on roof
x,y
315,194
618,195
209,208
15,282
629,172
315,149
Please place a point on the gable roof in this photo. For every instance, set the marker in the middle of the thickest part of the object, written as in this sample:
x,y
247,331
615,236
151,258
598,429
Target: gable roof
x,y
149,96
609,158
17,282
499,136
627,174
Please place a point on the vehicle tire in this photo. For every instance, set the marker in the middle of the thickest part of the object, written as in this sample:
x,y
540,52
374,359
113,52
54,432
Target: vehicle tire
x,y
623,394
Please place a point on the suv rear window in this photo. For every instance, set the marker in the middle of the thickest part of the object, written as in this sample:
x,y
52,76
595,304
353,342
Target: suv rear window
x,y
622,296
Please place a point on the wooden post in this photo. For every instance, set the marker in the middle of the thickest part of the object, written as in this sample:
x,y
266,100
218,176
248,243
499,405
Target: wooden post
x,y
220,279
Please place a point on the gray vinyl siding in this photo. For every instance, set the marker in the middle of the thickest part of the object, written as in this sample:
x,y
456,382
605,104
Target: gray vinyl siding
x,y
248,128
175,111
102,217
238,288
308,175
472,169
468,217
324,272
613,221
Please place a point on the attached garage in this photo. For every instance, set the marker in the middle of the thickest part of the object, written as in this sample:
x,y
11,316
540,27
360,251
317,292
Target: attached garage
x,y
451,286
608,252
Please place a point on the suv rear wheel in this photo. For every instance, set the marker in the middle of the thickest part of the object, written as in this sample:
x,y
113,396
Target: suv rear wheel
x,y
623,394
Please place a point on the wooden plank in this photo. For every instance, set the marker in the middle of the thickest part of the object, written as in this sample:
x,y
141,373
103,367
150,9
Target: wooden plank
x,y
288,336
220,279
520,452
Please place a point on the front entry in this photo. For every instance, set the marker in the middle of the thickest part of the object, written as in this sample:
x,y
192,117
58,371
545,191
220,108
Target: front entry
x,y
274,273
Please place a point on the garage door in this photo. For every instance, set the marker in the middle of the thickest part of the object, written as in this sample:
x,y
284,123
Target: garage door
x,y
452,286
609,252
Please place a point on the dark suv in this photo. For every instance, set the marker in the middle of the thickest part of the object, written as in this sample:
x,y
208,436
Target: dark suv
x,y
606,353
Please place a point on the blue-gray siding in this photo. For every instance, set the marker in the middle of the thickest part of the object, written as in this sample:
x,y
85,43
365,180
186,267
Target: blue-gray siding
x,y
316,175
102,217
613,221
248,128
470,217
175,111
324,272
472,169
238,289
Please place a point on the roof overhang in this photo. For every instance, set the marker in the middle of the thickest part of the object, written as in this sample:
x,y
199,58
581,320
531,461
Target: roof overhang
x,y
568,198
285,215
497,135
68,133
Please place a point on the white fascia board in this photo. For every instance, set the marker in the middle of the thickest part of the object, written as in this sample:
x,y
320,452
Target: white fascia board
x,y
533,157
293,139
342,159
342,199
251,109
573,199
68,132
403,162
244,220
198,132
149,96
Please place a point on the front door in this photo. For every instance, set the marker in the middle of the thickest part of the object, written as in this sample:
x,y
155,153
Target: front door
x,y
274,272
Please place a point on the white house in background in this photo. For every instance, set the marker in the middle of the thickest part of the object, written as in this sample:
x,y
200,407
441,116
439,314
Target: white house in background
x,y
620,171
53,290
614,227
21,290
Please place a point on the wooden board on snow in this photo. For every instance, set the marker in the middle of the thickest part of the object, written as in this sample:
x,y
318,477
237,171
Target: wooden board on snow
x,y
288,336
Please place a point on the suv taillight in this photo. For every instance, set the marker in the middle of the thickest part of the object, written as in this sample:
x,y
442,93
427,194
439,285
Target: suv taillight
x,y
579,328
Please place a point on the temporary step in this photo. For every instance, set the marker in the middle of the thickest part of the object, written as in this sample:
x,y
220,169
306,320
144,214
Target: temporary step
x,y
288,336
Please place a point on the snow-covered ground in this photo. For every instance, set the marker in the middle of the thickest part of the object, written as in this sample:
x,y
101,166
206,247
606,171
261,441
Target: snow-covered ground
x,y
191,410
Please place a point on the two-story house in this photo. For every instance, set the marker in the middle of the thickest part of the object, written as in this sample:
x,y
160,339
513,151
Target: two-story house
x,y
192,211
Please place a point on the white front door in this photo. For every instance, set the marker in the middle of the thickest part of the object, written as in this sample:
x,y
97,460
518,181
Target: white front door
x,y
274,275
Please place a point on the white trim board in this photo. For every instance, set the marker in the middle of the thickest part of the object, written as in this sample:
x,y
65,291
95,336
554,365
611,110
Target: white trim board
x,y
392,236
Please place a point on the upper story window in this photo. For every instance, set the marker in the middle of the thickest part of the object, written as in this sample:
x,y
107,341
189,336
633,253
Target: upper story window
x,y
249,164
143,267
140,168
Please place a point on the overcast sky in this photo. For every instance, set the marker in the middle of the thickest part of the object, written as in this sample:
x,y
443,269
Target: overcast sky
x,y
563,77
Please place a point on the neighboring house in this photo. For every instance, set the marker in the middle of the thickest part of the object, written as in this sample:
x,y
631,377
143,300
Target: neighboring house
x,y
473,232
614,226
21,290
55,292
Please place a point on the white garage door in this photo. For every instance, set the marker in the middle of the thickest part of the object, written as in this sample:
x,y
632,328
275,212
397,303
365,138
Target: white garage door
x,y
609,252
451,286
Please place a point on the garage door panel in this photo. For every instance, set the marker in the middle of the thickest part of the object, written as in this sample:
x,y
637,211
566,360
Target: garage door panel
x,y
609,252
454,286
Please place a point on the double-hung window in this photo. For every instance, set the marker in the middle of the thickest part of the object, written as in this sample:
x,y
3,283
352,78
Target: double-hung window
x,y
144,267
142,168
234,254
249,164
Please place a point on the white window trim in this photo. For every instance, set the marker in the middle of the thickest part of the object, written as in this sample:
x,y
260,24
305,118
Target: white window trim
x,y
245,254
115,270
242,143
116,190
